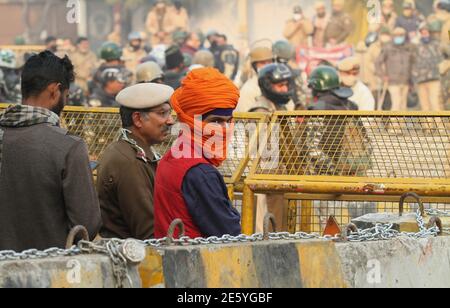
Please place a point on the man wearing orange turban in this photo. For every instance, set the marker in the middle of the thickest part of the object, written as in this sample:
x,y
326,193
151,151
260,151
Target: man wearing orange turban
x,y
188,185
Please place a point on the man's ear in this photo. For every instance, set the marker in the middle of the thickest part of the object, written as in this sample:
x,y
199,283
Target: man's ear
x,y
137,119
54,91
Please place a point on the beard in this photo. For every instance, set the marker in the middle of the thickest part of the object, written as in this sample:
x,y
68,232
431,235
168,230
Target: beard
x,y
59,107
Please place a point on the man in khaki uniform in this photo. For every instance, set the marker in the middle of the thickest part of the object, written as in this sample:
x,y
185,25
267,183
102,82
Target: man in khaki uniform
x,y
180,17
134,52
298,29
250,91
160,23
389,17
442,14
85,62
320,23
373,80
395,65
340,26
127,168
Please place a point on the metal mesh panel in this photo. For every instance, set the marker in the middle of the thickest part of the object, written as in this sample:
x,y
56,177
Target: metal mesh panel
x,y
97,128
311,215
100,127
246,128
372,145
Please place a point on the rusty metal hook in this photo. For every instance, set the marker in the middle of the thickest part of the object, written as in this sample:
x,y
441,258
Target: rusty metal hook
x,y
176,223
415,197
269,218
77,230
435,221
347,230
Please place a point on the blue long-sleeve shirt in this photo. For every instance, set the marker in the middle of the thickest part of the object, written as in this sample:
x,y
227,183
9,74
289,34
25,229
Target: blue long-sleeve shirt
x,y
206,197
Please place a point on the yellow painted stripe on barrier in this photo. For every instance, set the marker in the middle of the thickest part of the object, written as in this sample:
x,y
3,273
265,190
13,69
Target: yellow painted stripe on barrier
x,y
151,269
230,267
320,266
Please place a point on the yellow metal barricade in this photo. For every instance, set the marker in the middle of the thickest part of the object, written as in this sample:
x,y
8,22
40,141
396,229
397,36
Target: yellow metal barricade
x,y
353,153
310,212
99,127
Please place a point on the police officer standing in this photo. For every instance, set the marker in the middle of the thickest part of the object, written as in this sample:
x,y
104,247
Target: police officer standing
x,y
127,168
284,53
9,78
260,56
134,52
85,62
149,72
276,84
112,81
111,54
340,25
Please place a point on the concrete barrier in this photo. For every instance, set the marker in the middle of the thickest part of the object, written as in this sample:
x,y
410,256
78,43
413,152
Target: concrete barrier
x,y
402,262
84,271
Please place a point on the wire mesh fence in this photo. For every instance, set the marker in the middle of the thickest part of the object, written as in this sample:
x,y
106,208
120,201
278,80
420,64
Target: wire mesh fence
x,y
309,213
357,144
99,127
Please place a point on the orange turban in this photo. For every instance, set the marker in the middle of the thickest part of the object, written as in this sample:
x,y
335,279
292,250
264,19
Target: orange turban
x,y
202,91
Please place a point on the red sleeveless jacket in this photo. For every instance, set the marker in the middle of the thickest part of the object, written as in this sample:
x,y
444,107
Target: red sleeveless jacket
x,y
169,203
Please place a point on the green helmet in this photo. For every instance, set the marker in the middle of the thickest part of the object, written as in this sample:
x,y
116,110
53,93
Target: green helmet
x,y
283,50
110,52
8,59
435,26
179,37
326,78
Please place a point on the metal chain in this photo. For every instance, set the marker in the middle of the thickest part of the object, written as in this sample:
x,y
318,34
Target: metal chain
x,y
435,212
111,247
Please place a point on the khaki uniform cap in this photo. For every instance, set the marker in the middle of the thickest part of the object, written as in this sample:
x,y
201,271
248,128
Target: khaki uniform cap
x,y
349,64
259,54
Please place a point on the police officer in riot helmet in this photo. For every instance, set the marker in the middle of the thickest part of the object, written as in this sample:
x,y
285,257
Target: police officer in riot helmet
x,y
76,96
149,72
327,92
284,52
113,80
275,81
111,54
9,78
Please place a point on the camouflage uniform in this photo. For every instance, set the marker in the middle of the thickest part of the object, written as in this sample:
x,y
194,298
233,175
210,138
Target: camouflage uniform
x,y
444,70
426,75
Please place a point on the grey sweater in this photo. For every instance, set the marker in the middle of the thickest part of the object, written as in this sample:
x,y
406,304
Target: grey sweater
x,y
46,185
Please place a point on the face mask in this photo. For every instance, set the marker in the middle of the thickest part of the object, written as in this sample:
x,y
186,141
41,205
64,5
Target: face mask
x,y
385,39
400,40
298,17
425,40
349,81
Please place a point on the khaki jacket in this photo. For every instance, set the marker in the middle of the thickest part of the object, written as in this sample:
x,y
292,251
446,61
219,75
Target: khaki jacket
x,y
125,187
297,32
84,64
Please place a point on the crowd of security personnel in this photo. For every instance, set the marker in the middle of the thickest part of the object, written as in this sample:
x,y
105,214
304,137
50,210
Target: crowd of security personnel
x,y
46,185
403,62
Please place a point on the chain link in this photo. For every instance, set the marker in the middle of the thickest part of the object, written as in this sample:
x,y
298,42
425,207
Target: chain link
x,y
439,213
111,247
